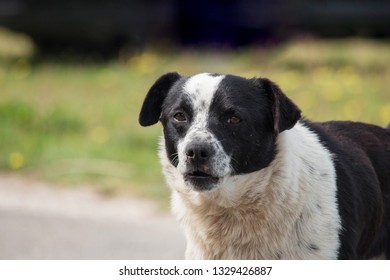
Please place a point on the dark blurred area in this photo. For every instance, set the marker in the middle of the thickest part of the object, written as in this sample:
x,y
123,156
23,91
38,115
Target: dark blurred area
x,y
108,25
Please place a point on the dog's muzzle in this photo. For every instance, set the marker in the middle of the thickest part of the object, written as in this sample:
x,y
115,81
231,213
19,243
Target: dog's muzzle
x,y
199,161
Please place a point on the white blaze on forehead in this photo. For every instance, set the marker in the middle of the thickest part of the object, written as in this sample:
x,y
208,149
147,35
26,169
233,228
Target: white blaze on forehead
x,y
201,89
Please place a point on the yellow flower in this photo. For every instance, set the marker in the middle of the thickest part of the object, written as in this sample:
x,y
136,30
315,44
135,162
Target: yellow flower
x,y
145,62
16,160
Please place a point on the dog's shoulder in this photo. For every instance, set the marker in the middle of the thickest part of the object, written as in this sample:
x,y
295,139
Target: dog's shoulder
x,y
352,139
360,133
358,143
361,153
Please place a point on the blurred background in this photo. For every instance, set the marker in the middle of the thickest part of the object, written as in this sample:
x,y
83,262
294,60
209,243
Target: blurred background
x,y
73,75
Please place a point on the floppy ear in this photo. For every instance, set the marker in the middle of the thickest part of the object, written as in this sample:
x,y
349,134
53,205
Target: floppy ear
x,y
151,108
284,112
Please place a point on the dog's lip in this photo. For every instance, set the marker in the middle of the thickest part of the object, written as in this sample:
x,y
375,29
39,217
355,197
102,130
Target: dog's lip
x,y
199,174
201,181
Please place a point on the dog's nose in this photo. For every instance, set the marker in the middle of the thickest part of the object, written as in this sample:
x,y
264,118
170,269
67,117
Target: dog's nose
x,y
199,152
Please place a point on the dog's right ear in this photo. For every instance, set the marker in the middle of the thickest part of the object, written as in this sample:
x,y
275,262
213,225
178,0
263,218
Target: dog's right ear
x,y
284,112
152,106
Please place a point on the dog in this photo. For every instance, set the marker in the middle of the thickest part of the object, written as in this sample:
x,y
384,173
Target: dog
x,y
252,179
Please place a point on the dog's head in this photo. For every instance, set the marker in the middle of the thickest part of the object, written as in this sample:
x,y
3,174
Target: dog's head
x,y
218,126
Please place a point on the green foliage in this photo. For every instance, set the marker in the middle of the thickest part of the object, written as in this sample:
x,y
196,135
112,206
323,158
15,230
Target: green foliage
x,y
17,113
60,121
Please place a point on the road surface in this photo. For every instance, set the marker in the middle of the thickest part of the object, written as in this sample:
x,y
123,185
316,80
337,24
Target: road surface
x,y
39,221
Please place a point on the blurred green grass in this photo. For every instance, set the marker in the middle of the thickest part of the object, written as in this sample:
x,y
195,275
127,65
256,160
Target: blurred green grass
x,y
74,120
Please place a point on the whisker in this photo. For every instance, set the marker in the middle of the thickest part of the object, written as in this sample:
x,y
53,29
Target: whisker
x,y
174,158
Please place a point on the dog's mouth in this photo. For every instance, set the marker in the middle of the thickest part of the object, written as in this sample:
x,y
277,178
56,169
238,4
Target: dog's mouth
x,y
200,180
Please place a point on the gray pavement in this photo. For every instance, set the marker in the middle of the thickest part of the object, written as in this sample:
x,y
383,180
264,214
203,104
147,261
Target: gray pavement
x,y
39,221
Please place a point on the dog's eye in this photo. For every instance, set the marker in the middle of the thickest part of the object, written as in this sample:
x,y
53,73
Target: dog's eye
x,y
234,120
180,117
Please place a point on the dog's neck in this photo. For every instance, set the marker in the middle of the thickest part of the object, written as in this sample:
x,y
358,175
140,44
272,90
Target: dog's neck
x,y
265,214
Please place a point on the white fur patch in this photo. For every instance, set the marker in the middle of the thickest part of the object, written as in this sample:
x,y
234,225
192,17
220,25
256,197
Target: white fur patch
x,y
200,90
287,210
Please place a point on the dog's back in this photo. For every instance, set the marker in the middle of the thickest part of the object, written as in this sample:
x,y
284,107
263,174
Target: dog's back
x,y
362,157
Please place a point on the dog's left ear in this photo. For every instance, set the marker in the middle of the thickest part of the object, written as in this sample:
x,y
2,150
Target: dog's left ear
x,y
152,106
284,112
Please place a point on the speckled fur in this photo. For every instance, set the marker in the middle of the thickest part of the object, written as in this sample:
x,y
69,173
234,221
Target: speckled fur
x,y
285,211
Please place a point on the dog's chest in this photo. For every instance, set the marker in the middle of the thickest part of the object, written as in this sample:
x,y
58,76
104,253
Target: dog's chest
x,y
249,235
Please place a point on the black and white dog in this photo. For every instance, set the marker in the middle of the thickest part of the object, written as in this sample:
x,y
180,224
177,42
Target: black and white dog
x,y
251,179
